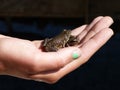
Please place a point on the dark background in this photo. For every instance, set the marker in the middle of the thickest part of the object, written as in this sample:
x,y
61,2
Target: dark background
x,y
32,20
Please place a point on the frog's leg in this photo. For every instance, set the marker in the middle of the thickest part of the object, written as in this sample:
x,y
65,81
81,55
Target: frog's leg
x,y
67,45
46,41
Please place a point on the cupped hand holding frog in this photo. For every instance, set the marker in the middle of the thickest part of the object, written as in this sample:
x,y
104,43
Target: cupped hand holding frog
x,y
26,59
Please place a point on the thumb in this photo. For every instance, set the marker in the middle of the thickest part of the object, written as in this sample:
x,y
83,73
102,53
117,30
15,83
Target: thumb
x,y
57,60
69,54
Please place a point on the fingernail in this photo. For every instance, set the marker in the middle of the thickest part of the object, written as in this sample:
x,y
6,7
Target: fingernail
x,y
76,54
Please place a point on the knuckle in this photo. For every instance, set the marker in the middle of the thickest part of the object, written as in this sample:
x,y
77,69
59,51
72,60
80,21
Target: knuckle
x,y
60,62
34,66
32,69
53,79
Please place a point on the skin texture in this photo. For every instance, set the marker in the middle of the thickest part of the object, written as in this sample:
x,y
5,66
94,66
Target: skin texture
x,y
25,59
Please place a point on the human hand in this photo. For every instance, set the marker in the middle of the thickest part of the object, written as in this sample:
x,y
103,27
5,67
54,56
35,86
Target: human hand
x,y
92,37
25,59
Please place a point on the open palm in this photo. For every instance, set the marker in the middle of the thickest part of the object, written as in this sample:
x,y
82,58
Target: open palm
x,y
25,59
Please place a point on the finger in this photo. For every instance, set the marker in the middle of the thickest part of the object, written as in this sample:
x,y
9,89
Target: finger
x,y
78,30
56,60
96,42
86,30
94,22
101,24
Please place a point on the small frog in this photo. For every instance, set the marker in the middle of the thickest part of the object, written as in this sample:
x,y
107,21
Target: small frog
x,y
64,39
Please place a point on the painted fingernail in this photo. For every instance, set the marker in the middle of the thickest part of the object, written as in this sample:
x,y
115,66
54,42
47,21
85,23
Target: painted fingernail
x,y
76,54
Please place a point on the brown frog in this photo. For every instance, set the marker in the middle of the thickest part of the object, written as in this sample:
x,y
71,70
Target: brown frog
x,y
64,39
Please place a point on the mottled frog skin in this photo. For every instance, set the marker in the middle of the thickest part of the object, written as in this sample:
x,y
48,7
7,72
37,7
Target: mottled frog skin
x,y
64,39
